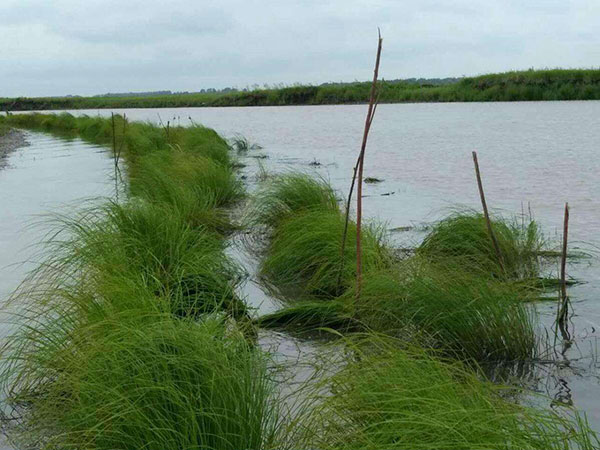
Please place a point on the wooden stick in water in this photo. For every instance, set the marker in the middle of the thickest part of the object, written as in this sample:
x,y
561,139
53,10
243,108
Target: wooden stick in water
x,y
358,171
563,307
486,213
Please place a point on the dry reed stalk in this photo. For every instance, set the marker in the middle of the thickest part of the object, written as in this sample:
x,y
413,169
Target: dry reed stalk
x,y
563,306
486,213
358,170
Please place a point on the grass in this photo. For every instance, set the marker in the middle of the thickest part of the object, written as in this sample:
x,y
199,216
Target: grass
x,y
131,333
283,196
397,397
135,378
439,292
242,144
463,237
196,185
304,254
463,315
530,85
153,245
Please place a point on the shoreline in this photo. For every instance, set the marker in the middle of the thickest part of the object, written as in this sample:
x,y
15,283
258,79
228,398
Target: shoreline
x,y
11,141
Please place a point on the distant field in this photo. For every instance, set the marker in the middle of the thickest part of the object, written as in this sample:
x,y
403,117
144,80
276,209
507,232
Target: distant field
x,y
532,85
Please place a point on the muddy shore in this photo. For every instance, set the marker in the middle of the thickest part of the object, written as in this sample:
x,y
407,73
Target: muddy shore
x,y
11,141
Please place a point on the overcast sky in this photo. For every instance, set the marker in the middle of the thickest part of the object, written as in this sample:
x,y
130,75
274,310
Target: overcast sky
x,y
58,47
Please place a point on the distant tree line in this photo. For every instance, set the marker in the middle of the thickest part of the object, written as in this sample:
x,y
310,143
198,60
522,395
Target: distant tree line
x,y
531,85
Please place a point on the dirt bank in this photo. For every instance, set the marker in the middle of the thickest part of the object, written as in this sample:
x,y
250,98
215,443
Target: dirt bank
x,y
9,142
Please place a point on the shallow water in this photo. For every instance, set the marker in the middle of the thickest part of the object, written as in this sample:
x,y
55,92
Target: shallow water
x,y
532,155
51,176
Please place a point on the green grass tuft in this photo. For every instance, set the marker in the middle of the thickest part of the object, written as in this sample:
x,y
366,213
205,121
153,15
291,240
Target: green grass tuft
x,y
464,236
388,397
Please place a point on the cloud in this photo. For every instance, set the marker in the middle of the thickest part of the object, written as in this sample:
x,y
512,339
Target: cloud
x,y
94,46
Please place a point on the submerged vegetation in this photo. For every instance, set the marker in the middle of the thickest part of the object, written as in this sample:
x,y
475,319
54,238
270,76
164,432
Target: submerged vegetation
x,y
131,334
530,85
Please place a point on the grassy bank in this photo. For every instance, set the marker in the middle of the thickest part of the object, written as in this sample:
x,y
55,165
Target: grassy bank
x,y
131,334
531,85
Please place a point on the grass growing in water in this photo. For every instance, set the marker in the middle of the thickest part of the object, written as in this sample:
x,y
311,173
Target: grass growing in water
x,y
464,315
394,398
156,246
136,378
304,254
107,354
464,236
285,195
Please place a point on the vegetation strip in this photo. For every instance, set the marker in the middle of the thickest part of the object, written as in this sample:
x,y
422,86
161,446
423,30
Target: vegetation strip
x,y
131,334
531,85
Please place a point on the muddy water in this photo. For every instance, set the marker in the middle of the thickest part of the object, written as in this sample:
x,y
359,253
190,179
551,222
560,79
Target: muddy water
x,y
532,155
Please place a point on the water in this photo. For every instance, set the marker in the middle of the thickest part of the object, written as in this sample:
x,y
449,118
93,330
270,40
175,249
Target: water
x,y
532,155
50,176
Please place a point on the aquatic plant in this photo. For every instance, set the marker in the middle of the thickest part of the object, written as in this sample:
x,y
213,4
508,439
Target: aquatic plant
x,y
463,237
242,144
284,195
466,316
150,244
304,254
135,378
192,183
393,396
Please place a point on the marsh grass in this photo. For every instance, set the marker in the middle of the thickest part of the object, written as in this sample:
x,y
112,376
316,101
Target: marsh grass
x,y
282,196
242,144
155,245
440,292
465,316
304,254
463,236
395,396
131,333
196,185
136,378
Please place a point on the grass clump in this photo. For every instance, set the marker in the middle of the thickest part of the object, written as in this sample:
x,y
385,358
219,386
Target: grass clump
x,y
154,245
464,237
242,144
136,378
304,255
404,398
195,185
466,316
286,195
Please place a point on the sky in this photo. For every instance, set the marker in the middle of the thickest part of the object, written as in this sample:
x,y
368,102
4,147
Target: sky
x,y
87,47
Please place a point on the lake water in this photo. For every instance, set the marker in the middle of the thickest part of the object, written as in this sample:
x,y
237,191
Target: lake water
x,y
532,156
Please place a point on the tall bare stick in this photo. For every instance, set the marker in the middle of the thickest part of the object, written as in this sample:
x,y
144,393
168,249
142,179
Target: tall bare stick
x,y
115,158
563,306
488,222
358,170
